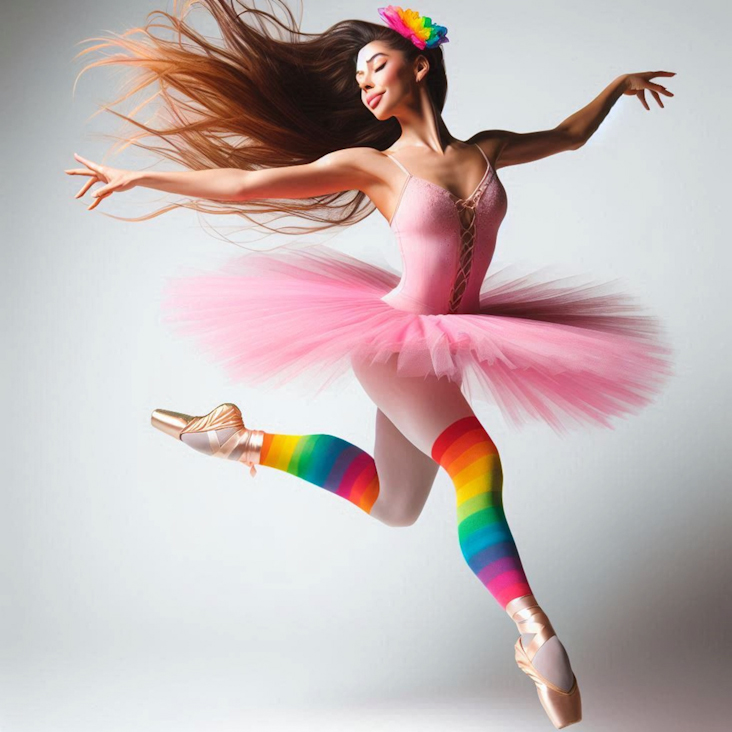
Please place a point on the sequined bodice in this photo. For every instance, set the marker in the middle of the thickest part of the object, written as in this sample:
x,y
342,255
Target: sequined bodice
x,y
446,243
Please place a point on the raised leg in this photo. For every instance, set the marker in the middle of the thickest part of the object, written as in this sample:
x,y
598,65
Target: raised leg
x,y
392,486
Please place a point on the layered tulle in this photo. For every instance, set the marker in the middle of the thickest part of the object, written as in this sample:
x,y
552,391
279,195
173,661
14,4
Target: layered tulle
x,y
561,350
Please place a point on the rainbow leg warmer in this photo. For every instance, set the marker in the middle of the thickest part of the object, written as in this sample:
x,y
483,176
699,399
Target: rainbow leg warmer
x,y
326,461
471,460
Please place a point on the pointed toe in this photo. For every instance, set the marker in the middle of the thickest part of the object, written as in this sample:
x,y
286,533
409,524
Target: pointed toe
x,y
172,423
244,443
562,707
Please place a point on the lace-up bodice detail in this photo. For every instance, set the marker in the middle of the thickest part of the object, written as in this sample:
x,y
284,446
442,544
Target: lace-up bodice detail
x,y
466,210
446,242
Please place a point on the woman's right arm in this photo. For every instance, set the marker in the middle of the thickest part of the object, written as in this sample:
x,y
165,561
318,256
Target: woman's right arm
x,y
340,170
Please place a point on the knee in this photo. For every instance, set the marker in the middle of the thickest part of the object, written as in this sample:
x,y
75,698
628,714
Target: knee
x,y
400,520
396,514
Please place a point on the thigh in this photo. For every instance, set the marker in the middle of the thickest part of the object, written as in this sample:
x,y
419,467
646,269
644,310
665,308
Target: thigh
x,y
419,408
406,474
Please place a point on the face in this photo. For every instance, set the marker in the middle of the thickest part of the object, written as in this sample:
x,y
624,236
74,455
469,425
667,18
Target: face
x,y
386,78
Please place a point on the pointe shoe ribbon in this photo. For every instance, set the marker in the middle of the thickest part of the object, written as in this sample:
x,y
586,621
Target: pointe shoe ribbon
x,y
242,436
226,415
562,707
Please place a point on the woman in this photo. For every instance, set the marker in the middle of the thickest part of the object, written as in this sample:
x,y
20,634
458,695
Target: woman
x,y
330,127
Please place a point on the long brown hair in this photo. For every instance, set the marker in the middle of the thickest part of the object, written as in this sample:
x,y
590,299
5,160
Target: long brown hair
x,y
268,95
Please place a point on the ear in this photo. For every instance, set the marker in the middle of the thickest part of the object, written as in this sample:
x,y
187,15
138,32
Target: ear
x,y
421,67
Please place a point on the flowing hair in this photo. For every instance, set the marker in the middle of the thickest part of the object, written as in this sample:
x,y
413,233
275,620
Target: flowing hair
x,y
265,94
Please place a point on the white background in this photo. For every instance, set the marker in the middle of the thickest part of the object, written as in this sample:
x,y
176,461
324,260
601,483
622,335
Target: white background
x,y
146,587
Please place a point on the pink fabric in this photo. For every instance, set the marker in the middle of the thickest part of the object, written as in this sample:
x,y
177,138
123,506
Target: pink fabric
x,y
569,353
428,230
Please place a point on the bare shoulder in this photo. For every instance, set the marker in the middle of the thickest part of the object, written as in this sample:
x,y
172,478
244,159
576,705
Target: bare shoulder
x,y
376,175
491,142
362,162
515,148
370,170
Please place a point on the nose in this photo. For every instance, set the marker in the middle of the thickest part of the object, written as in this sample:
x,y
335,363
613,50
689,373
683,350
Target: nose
x,y
365,82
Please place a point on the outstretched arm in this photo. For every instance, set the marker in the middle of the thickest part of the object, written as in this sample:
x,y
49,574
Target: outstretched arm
x,y
514,148
341,170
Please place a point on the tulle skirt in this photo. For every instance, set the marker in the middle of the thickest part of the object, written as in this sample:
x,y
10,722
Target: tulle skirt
x,y
560,350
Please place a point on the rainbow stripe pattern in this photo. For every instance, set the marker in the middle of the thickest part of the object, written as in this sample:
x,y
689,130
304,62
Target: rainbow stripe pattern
x,y
327,461
417,28
471,460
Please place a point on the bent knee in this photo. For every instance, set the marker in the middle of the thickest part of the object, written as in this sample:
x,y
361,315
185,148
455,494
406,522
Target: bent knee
x,y
396,514
400,521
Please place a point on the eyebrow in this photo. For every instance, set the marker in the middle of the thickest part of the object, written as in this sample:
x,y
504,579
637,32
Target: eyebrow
x,y
380,53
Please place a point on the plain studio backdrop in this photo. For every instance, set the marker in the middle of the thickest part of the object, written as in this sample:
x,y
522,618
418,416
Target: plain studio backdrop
x,y
148,587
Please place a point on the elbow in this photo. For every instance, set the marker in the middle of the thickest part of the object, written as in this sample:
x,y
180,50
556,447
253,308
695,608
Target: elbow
x,y
577,141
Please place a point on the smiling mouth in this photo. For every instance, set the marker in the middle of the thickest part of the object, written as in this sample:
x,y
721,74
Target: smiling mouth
x,y
375,101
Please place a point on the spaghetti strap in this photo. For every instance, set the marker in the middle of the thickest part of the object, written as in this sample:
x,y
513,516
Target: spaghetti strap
x,y
485,157
391,157
482,153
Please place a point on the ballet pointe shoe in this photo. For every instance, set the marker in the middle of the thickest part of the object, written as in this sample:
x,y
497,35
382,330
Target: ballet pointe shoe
x,y
562,707
224,416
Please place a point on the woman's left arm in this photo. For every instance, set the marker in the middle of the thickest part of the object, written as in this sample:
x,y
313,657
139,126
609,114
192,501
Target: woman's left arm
x,y
514,148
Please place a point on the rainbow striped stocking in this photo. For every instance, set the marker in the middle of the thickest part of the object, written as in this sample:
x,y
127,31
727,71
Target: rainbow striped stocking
x,y
471,460
327,461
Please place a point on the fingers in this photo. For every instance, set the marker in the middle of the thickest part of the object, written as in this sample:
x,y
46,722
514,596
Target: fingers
x,y
103,191
96,168
643,81
97,201
655,89
86,187
658,87
96,175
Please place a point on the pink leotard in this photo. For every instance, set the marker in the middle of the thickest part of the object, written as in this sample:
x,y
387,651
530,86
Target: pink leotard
x,y
446,242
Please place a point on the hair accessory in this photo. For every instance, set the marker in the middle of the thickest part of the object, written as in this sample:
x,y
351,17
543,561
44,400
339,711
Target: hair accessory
x,y
417,28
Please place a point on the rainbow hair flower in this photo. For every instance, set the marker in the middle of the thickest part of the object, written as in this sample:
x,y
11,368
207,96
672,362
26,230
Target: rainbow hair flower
x,y
417,28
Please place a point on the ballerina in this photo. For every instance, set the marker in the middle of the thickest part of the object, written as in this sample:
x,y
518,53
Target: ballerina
x,y
345,123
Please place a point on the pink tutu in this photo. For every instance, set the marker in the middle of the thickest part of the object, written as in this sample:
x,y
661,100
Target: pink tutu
x,y
567,354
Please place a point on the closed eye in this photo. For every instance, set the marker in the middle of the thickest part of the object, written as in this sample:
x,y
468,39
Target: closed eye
x,y
380,67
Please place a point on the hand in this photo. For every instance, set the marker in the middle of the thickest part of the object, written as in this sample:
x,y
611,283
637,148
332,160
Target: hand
x,y
115,179
636,84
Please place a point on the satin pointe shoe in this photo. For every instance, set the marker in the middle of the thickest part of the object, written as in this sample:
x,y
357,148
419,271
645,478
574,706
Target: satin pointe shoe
x,y
562,707
224,416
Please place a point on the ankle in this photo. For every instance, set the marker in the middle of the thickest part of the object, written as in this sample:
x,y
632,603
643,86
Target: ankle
x,y
252,445
531,622
524,611
240,445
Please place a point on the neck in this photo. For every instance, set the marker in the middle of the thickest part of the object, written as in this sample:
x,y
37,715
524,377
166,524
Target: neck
x,y
422,125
